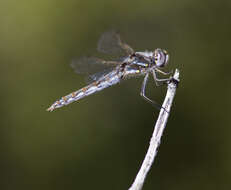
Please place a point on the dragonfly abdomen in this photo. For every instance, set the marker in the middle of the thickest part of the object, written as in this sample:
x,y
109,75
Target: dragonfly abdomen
x,y
108,80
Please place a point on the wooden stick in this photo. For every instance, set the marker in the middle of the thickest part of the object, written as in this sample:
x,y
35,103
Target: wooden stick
x,y
157,133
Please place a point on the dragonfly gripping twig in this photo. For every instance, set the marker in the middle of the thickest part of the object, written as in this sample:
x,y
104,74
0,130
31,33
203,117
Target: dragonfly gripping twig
x,y
132,65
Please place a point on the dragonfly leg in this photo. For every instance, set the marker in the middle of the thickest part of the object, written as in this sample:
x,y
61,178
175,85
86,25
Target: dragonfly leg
x,y
142,93
164,73
158,81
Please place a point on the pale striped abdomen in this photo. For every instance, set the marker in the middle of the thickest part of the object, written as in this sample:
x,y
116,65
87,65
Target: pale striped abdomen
x,y
108,80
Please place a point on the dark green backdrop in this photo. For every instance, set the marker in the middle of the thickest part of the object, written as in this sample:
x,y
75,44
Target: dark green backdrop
x,y
100,142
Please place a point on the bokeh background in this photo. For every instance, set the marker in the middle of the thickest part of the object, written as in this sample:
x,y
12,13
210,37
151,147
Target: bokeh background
x,y
100,142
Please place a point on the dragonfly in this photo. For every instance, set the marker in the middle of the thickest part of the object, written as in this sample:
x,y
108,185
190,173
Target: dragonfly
x,y
132,64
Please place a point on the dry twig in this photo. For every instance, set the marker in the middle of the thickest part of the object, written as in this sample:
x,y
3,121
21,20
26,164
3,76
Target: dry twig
x,y
157,133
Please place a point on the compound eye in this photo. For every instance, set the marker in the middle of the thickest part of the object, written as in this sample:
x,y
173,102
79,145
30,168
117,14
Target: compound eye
x,y
156,56
161,57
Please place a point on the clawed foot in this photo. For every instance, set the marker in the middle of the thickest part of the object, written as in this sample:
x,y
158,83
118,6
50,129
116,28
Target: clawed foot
x,y
172,79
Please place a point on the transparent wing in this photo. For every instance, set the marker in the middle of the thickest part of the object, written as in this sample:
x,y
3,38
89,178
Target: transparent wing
x,y
95,68
110,43
97,76
90,65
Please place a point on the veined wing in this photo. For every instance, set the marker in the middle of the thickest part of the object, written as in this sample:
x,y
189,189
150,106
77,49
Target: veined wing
x,y
87,65
90,65
94,67
97,76
110,43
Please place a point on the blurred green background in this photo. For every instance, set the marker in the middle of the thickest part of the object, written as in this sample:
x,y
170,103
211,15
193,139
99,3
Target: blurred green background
x,y
100,142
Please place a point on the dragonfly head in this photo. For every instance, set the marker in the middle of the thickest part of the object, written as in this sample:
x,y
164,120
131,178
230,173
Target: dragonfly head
x,y
161,57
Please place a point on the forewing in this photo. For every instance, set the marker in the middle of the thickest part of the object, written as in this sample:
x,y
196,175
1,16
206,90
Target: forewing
x,y
110,43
